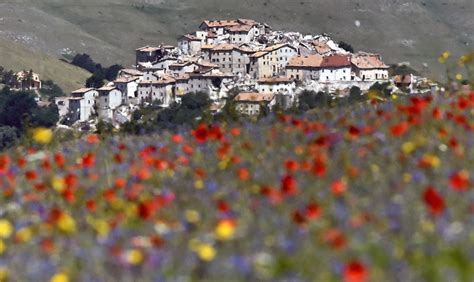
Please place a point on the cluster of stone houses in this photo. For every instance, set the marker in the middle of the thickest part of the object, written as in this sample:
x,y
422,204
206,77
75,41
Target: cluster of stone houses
x,y
222,55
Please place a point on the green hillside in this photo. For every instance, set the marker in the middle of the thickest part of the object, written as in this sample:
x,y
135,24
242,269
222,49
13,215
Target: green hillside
x,y
16,57
401,30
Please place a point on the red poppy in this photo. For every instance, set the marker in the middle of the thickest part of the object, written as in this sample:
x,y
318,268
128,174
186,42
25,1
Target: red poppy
x,y
46,165
355,271
334,238
91,205
177,138
109,195
40,186
4,163
215,133
289,186
59,159
354,131
298,217
319,168
291,165
92,139
459,181
69,195
31,175
243,174
145,210
235,131
274,195
313,211
338,187
199,172
201,133
120,183
47,245
118,158
222,206
21,162
399,129
70,179
437,113
188,150
88,160
434,201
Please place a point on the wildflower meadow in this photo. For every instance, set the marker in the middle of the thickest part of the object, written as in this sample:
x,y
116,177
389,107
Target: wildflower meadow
x,y
381,191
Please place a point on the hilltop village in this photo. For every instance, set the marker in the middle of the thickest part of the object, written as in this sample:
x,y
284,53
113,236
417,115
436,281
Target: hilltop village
x,y
259,66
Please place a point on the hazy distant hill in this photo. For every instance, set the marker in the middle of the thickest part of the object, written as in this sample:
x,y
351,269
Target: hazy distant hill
x,y
109,30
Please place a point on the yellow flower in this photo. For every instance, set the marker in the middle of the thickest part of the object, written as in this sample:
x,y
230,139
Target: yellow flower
x,y
58,183
408,147
192,216
3,274
433,160
42,135
6,228
134,257
3,247
101,227
199,184
24,234
445,55
224,230
459,76
67,224
206,252
59,277
407,177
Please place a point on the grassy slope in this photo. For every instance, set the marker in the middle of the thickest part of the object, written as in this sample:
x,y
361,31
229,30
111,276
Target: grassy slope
x,y
16,57
401,30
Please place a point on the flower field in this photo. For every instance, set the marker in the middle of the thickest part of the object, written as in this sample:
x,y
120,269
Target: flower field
x,y
375,192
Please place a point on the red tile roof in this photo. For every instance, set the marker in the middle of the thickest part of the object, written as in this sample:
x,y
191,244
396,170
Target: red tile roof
x,y
336,61
311,61
254,97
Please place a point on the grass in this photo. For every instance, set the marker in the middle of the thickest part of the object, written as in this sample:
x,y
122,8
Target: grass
x,y
16,57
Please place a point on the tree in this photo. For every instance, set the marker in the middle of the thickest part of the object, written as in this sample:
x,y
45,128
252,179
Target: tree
x,y
112,72
8,137
402,69
310,99
355,95
85,61
17,109
21,110
96,80
45,117
193,106
51,90
382,89
346,46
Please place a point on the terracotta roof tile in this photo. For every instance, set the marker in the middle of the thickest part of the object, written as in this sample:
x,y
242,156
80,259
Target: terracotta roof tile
x,y
311,61
336,61
254,97
82,90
